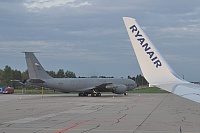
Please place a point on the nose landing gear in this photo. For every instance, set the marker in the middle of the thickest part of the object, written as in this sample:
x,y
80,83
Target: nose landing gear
x,y
125,94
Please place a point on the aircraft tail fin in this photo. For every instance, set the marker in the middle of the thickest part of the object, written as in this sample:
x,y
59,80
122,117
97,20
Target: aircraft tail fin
x,y
153,66
35,69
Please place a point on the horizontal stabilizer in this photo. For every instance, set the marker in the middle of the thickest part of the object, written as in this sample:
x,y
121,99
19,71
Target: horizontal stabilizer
x,y
36,81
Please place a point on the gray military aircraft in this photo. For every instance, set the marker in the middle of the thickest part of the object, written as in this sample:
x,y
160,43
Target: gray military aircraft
x,y
85,86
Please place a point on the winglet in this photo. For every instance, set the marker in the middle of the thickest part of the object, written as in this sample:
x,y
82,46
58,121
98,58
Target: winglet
x,y
153,66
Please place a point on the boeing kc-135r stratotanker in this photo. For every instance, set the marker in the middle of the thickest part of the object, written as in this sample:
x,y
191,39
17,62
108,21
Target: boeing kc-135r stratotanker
x,y
38,76
154,68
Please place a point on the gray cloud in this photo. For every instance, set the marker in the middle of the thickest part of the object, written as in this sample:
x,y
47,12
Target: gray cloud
x,y
92,33
37,5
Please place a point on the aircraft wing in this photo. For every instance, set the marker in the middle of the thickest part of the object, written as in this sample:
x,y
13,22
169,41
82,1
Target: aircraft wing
x,y
187,90
99,88
154,67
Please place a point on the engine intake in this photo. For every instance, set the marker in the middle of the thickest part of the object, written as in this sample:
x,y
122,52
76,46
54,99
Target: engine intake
x,y
119,89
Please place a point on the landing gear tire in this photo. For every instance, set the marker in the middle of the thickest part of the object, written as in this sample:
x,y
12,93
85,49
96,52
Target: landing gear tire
x,y
98,94
93,95
85,94
125,94
80,94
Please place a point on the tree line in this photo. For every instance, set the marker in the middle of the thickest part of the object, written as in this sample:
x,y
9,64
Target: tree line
x,y
9,76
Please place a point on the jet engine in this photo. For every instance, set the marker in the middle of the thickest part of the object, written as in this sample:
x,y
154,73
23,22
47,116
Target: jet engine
x,y
117,89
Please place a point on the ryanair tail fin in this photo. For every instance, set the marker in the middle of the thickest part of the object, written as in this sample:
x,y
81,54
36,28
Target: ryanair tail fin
x,y
35,69
153,66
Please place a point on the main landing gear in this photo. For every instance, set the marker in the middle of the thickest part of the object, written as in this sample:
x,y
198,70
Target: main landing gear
x,y
125,94
83,94
95,94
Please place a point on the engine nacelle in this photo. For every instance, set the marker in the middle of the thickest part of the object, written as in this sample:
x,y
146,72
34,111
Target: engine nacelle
x,y
119,89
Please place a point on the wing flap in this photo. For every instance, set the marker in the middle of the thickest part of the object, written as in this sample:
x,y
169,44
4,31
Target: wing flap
x,y
188,90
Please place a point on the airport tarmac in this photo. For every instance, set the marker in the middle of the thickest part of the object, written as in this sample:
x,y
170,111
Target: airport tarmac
x,y
135,113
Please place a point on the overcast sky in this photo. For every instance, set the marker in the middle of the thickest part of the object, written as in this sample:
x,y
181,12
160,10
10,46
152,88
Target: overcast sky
x,y
89,38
